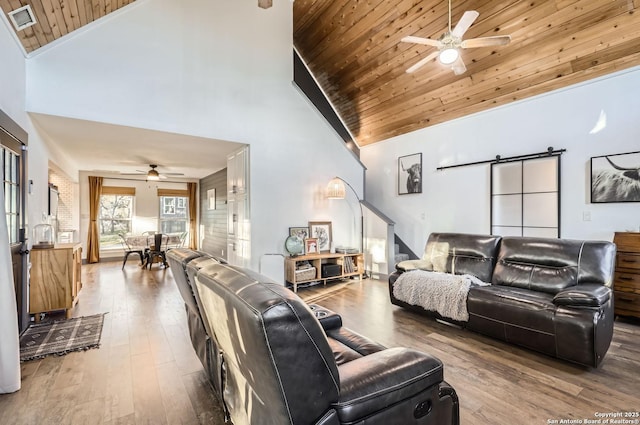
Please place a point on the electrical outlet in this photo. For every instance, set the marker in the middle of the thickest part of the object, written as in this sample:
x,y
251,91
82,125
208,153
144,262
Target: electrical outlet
x,y
586,215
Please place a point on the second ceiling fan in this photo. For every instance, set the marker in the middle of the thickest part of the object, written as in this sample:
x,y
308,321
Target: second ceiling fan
x,y
450,43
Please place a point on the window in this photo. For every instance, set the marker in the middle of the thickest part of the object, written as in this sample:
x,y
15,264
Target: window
x,y
10,166
116,211
174,214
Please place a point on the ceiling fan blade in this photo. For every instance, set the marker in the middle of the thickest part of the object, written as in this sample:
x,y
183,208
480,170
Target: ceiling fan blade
x,y
420,40
498,40
464,23
173,174
458,66
422,62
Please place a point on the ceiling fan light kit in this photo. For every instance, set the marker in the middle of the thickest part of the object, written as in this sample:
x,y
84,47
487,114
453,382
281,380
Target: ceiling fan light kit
x,y
153,174
448,56
450,43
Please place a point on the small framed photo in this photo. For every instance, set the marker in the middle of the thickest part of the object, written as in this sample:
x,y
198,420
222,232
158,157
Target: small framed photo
x,y
301,232
321,230
410,174
211,196
311,246
615,178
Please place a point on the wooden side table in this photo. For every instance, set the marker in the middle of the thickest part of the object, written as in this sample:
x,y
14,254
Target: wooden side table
x,y
626,282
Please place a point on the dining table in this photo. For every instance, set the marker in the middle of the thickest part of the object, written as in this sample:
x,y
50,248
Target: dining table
x,y
147,242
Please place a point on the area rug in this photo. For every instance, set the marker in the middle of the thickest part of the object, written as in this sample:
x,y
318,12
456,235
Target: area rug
x,y
61,337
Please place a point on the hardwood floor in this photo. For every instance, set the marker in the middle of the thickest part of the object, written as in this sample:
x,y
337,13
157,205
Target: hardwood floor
x,y
146,372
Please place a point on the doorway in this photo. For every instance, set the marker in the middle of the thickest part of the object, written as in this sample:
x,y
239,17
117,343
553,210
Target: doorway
x,y
13,149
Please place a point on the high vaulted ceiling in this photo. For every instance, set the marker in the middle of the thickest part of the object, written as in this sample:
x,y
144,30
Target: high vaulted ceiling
x,y
354,50
57,18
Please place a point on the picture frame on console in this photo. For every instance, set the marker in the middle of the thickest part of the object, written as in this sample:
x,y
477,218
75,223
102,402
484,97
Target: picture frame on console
x,y
301,232
615,178
410,174
321,230
311,246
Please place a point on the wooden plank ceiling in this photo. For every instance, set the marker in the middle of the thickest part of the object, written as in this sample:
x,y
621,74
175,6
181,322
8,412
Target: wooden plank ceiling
x,y
57,18
353,48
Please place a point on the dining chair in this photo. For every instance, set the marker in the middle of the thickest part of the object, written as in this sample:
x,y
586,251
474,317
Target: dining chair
x,y
131,249
158,249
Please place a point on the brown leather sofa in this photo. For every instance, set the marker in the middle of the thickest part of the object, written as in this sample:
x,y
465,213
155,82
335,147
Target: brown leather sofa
x,y
272,359
550,295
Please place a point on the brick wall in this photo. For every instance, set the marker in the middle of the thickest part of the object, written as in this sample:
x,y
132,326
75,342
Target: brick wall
x,y
65,200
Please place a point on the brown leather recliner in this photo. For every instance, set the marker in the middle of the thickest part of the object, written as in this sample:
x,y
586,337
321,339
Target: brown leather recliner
x,y
550,295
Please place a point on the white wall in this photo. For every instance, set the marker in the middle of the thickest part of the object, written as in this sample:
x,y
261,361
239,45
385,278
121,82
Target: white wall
x,y
12,102
219,69
12,83
458,199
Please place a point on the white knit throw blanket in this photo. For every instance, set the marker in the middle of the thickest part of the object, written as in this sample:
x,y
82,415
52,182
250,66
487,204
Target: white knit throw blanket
x,y
442,292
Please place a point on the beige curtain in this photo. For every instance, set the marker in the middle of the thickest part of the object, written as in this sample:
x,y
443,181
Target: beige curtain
x,y
93,240
193,202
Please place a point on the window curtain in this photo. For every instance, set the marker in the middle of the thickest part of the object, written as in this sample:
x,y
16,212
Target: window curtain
x,y
93,240
9,348
193,200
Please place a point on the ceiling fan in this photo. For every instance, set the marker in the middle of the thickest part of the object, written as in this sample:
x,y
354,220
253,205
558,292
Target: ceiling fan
x,y
153,174
450,43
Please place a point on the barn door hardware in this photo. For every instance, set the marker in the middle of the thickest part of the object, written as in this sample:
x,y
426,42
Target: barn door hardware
x,y
498,159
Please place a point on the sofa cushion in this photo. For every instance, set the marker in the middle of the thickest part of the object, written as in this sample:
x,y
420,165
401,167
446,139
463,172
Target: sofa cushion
x,y
461,254
513,306
277,360
551,265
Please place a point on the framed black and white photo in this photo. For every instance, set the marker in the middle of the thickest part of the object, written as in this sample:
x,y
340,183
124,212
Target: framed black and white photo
x,y
301,232
615,178
410,174
321,230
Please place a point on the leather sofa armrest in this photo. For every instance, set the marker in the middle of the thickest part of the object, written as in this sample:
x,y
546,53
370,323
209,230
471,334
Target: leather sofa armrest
x,y
584,295
407,265
328,319
384,378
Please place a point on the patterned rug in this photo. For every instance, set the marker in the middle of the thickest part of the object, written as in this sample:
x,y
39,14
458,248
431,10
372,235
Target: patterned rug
x,y
61,337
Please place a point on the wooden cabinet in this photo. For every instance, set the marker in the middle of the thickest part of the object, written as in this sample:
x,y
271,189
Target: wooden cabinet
x,y
55,278
347,265
626,282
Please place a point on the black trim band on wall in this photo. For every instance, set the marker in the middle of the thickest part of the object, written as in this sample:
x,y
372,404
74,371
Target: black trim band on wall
x,y
307,84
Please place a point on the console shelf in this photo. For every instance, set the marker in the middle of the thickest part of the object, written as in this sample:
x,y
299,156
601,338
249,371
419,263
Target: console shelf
x,y
349,265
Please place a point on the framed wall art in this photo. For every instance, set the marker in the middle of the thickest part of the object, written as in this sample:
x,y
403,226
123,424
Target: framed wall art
x,y
321,230
615,178
410,174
